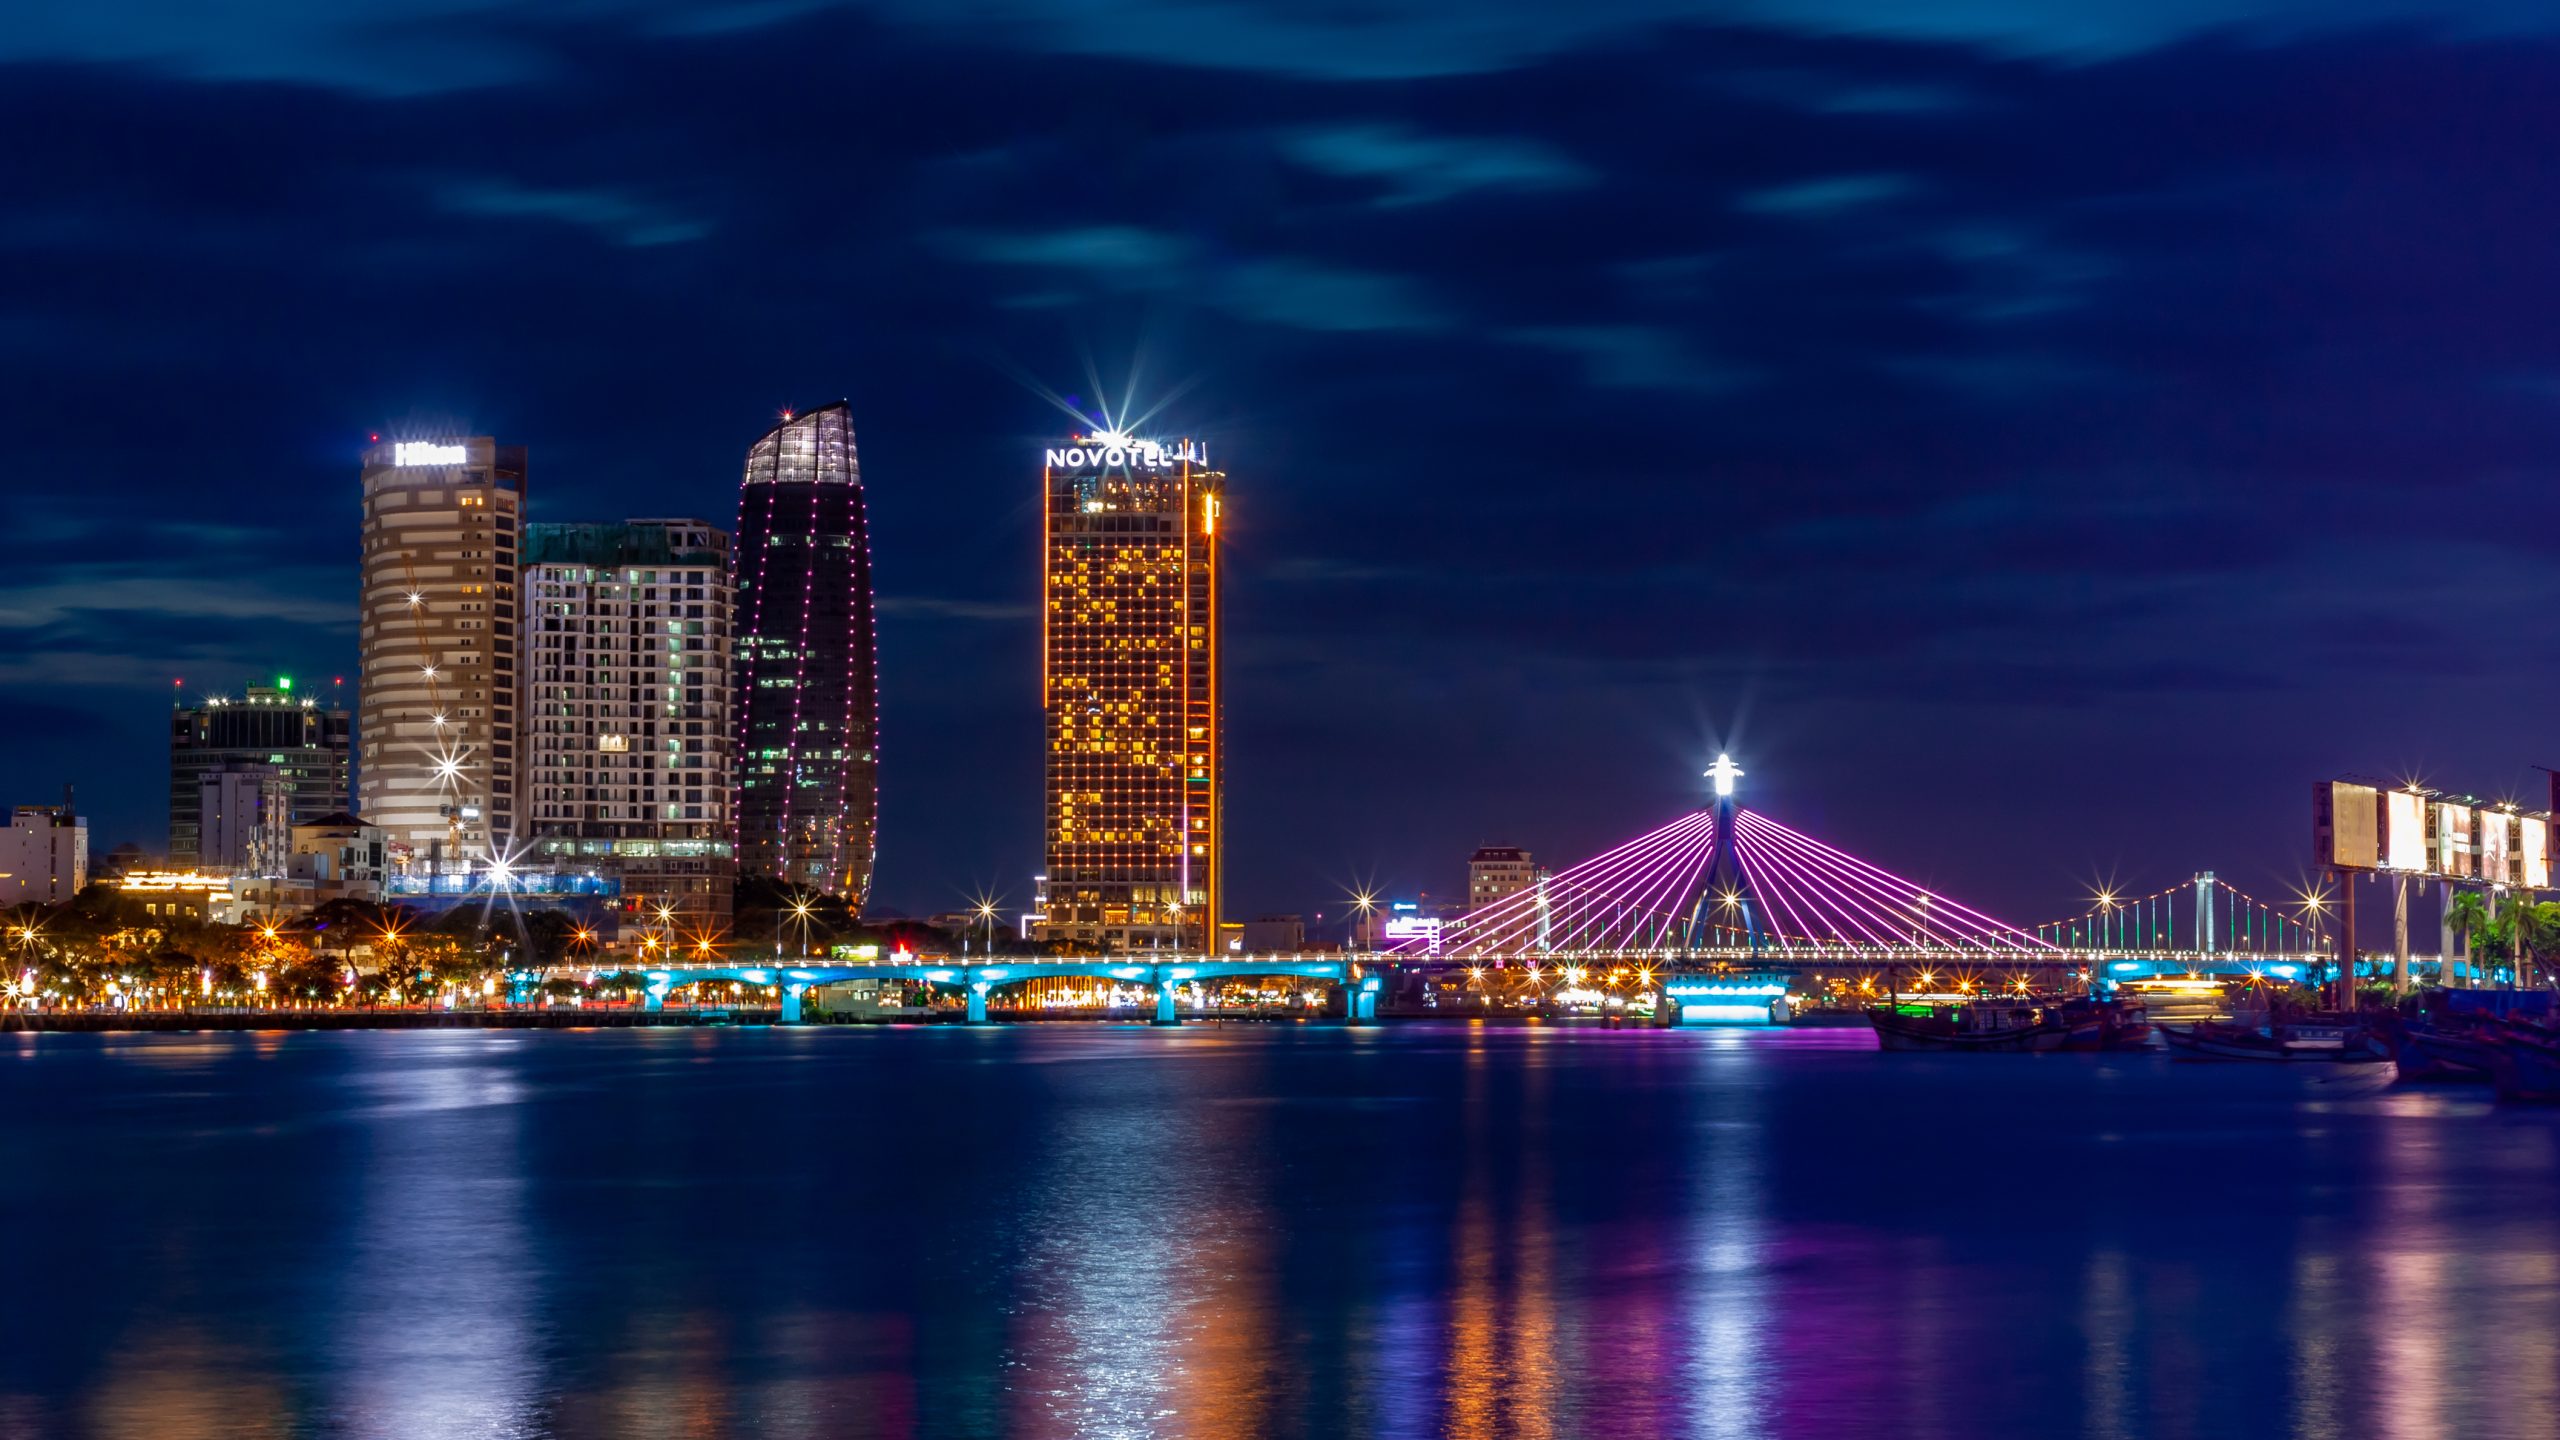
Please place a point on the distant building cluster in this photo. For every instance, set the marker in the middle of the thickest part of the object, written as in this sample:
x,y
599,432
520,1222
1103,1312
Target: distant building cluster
x,y
619,714
626,716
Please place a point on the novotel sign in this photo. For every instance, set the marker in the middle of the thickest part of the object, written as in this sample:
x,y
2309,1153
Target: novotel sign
x,y
1123,452
423,452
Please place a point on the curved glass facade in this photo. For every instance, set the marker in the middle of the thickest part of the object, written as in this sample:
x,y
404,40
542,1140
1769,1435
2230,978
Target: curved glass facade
x,y
808,687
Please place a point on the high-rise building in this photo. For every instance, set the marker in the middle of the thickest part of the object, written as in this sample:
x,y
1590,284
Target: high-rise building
x,y
303,741
627,739
1497,872
808,682
1129,693
436,705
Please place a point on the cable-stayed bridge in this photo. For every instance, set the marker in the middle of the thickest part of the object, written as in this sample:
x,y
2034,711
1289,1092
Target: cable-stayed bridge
x,y
1727,883
1718,903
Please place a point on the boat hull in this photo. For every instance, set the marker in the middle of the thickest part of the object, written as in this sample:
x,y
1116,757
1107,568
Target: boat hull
x,y
2525,1071
1906,1034
2433,1055
2203,1043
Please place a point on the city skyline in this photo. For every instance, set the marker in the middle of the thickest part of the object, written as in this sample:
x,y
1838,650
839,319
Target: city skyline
x,y
1915,445
1492,719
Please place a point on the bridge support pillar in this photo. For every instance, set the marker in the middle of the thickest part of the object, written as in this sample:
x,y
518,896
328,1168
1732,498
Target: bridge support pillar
x,y
654,999
978,1002
2448,973
1166,1014
1363,1009
2399,936
791,1003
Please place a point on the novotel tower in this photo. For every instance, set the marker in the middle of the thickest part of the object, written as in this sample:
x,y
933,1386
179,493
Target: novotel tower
x,y
808,760
1129,691
437,693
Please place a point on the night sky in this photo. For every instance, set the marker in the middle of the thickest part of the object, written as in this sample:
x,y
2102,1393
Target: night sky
x,y
2038,440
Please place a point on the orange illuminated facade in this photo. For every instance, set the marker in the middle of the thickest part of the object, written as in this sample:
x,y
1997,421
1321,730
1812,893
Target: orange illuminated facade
x,y
1130,693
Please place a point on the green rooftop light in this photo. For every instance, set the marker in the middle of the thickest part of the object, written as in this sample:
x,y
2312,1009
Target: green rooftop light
x,y
284,682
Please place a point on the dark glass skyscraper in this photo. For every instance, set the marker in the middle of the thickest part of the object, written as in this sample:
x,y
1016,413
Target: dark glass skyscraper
x,y
808,685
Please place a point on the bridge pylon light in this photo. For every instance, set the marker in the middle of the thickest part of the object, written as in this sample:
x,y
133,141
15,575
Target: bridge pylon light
x,y
1724,772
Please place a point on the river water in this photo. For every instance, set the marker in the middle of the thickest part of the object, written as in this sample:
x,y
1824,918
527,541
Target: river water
x,y
1413,1230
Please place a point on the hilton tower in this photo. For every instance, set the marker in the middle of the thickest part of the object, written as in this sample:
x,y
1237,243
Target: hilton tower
x,y
808,688
436,730
1129,693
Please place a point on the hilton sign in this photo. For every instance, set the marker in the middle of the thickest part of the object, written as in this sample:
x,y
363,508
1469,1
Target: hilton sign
x,y
421,452
1121,452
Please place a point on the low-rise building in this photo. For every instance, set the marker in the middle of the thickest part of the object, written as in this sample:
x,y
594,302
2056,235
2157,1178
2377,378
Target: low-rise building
x,y
334,857
44,855
182,895
1498,872
1274,934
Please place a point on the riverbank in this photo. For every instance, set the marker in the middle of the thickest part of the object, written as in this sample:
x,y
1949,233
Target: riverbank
x,y
95,1021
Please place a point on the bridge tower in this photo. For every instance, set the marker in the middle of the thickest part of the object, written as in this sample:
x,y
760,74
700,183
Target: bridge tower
x,y
1725,876
1545,914
2204,911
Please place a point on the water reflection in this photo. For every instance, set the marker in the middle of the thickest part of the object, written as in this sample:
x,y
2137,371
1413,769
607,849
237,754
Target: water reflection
x,y
186,1381
1474,1377
1077,1231
433,1333
1728,1367
1140,1308
2106,1324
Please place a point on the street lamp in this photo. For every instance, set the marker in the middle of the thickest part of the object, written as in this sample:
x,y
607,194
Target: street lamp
x,y
1362,903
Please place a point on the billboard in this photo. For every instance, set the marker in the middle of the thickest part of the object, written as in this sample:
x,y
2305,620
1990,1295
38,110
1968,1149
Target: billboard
x,y
2453,857
2343,817
1404,930
2496,828
2413,831
2404,826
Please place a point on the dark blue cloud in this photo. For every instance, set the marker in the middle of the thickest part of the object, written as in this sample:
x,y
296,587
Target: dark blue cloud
x,y
2043,438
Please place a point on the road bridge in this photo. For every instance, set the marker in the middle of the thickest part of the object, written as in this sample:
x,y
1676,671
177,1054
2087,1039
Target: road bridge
x,y
974,981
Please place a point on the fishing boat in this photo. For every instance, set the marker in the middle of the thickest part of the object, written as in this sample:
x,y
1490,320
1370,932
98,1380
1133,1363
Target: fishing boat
x,y
2313,1041
2425,1052
1988,1026
2458,1035
2524,1063
2095,1024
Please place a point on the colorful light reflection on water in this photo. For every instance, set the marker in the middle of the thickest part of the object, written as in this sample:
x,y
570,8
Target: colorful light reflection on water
x,y
1458,1230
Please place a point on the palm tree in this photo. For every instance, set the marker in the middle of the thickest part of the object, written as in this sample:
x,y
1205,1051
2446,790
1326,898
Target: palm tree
x,y
2510,933
2537,938
2467,917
